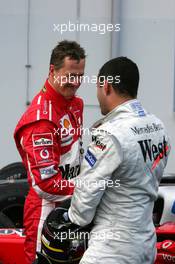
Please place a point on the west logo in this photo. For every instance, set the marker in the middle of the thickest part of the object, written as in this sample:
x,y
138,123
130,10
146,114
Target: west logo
x,y
98,143
152,151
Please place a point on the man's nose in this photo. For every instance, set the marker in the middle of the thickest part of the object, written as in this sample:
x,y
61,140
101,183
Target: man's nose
x,y
76,81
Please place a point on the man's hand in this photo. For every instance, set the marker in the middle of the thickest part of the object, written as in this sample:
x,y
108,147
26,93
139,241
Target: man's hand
x,y
66,217
64,221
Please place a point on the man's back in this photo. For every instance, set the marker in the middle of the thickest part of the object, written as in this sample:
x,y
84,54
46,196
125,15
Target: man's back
x,y
122,169
144,147
127,204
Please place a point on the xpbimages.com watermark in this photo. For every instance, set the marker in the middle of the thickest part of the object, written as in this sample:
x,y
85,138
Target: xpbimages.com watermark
x,y
84,235
93,79
81,183
100,28
83,131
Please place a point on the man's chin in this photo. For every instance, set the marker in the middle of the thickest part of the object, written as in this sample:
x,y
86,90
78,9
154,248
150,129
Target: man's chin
x,y
104,112
69,97
71,94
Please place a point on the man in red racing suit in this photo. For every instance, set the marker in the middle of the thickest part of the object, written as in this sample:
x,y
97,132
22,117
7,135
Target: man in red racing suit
x,y
48,138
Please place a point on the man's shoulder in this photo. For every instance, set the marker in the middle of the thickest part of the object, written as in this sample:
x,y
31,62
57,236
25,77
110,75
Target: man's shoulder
x,y
43,108
78,100
40,108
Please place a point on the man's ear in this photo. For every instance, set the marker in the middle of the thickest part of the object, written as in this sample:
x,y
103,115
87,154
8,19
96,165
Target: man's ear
x,y
51,70
107,88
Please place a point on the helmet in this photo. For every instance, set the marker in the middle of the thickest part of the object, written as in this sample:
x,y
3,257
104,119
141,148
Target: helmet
x,y
63,242
41,259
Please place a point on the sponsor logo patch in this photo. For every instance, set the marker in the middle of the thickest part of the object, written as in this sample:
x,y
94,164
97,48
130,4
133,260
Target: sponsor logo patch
x,y
168,258
153,152
43,155
137,108
91,159
98,143
65,122
147,129
47,172
66,131
42,139
167,244
69,172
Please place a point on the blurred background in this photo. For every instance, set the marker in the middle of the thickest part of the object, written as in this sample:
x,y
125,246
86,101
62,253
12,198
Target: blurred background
x,y
28,33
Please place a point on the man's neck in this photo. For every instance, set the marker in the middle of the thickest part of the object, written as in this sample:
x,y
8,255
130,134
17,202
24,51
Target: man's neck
x,y
118,102
52,84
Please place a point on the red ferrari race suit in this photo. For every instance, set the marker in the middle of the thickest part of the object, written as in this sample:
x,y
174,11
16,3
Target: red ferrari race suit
x,y
48,138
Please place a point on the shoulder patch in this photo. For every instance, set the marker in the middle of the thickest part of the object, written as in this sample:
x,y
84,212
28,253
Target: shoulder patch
x,y
91,159
45,139
137,108
98,142
47,172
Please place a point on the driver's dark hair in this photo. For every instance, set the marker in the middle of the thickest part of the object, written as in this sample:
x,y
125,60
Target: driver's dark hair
x,y
64,49
128,74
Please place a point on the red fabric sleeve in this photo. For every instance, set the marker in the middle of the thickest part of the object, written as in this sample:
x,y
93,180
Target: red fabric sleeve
x,y
41,147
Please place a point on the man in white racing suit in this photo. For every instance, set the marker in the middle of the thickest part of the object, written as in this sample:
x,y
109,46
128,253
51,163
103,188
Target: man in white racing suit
x,y
121,173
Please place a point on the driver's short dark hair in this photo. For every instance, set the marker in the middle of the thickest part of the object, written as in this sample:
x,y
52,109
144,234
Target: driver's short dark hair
x,y
128,74
64,49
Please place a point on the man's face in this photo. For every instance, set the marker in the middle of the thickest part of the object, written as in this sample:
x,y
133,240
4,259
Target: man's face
x,y
102,99
68,79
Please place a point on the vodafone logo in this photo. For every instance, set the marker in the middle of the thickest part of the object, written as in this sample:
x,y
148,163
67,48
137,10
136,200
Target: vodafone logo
x,y
44,153
169,258
167,244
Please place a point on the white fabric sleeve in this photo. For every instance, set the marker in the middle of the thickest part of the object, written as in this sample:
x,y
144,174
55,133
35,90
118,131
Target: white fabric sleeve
x,y
103,157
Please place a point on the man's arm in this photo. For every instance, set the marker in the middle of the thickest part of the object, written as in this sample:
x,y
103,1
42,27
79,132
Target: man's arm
x,y
41,148
102,158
